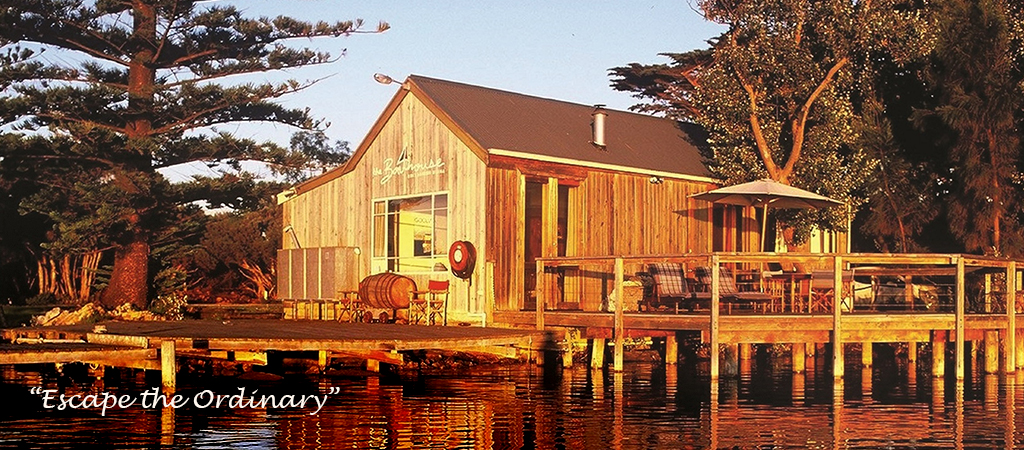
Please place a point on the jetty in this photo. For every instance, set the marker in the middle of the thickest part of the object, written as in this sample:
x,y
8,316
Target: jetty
x,y
731,301
155,345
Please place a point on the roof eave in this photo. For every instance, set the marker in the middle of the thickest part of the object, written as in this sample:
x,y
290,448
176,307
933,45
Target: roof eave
x,y
603,166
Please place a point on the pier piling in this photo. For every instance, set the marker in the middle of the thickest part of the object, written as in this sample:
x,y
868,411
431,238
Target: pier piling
x,y
597,348
938,354
671,350
168,365
799,356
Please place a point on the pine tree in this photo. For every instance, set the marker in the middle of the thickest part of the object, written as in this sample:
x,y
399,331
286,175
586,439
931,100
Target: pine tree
x,y
126,87
978,88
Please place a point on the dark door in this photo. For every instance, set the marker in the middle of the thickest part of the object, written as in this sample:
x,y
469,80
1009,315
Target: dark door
x,y
533,242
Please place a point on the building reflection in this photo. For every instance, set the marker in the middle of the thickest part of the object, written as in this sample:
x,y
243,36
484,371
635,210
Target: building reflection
x,y
644,407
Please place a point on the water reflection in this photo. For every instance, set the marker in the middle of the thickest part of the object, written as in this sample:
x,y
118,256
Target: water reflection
x,y
648,406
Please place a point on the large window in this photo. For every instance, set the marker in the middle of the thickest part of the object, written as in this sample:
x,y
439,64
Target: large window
x,y
411,234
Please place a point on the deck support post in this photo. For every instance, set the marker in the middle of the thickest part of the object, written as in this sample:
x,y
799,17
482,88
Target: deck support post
x,y
322,358
540,298
992,351
620,324
597,348
538,295
1009,343
938,354
731,355
838,363
714,318
973,354
912,352
866,354
372,365
745,348
567,352
168,365
799,356
1019,344
671,350
960,322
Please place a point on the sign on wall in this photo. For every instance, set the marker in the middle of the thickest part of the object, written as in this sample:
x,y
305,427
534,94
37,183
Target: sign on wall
x,y
405,166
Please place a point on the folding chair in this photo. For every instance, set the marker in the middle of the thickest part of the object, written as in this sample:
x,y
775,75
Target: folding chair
x,y
426,306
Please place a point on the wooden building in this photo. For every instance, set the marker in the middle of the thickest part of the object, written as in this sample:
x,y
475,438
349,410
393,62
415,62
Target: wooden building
x,y
517,176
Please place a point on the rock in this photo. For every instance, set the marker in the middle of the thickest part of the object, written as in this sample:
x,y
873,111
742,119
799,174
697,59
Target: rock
x,y
56,317
127,312
46,318
89,313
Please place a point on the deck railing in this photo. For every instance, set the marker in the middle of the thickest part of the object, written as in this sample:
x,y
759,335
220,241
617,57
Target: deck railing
x,y
941,285
799,283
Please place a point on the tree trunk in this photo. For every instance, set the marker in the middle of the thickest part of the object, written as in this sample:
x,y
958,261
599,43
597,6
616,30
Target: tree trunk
x,y
129,283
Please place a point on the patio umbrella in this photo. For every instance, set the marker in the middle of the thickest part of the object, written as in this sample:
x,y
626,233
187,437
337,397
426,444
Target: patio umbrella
x,y
767,193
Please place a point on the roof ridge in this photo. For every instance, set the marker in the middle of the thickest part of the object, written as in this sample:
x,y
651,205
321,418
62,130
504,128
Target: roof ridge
x,y
415,77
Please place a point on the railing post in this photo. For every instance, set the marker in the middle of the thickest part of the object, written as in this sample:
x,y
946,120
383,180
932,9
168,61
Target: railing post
x,y
620,324
1010,343
960,311
538,294
838,359
714,316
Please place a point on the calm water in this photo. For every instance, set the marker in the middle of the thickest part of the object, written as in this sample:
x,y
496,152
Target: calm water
x,y
895,405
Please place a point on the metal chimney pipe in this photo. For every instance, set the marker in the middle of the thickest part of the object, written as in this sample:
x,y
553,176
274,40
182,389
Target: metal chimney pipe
x,y
599,116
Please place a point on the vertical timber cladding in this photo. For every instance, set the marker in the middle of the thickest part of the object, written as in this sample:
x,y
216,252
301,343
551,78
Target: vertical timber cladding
x,y
412,154
504,237
610,214
627,214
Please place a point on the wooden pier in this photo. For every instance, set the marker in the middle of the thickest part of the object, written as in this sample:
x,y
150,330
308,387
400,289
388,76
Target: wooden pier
x,y
977,301
136,344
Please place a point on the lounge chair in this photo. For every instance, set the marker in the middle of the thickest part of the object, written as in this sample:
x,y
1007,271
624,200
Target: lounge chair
x,y
671,287
729,294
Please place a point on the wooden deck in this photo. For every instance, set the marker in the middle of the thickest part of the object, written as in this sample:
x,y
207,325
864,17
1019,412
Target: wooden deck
x,y
284,335
69,352
939,299
136,344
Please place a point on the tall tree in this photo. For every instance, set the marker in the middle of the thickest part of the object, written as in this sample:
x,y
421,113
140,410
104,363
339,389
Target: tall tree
x,y
777,93
901,191
977,84
133,82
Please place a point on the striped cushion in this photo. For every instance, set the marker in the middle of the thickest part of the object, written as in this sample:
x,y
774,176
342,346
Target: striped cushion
x,y
726,284
669,279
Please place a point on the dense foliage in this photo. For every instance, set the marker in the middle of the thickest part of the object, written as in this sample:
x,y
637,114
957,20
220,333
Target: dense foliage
x,y
111,91
908,107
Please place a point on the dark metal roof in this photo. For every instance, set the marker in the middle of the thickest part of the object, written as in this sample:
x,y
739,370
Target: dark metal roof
x,y
501,120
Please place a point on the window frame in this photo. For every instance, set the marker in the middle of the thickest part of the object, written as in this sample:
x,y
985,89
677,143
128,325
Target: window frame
x,y
387,260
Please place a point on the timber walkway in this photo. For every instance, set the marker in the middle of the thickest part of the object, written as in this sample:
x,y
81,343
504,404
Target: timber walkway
x,y
135,344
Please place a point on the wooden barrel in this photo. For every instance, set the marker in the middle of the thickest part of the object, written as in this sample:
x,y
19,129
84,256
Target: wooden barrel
x,y
386,290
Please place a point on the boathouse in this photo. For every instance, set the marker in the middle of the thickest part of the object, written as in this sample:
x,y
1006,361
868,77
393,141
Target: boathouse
x,y
517,177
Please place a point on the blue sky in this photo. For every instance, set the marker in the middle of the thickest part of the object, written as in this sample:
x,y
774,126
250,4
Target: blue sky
x,y
554,49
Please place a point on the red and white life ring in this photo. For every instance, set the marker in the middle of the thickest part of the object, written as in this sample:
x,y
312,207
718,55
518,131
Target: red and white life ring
x,y
462,258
